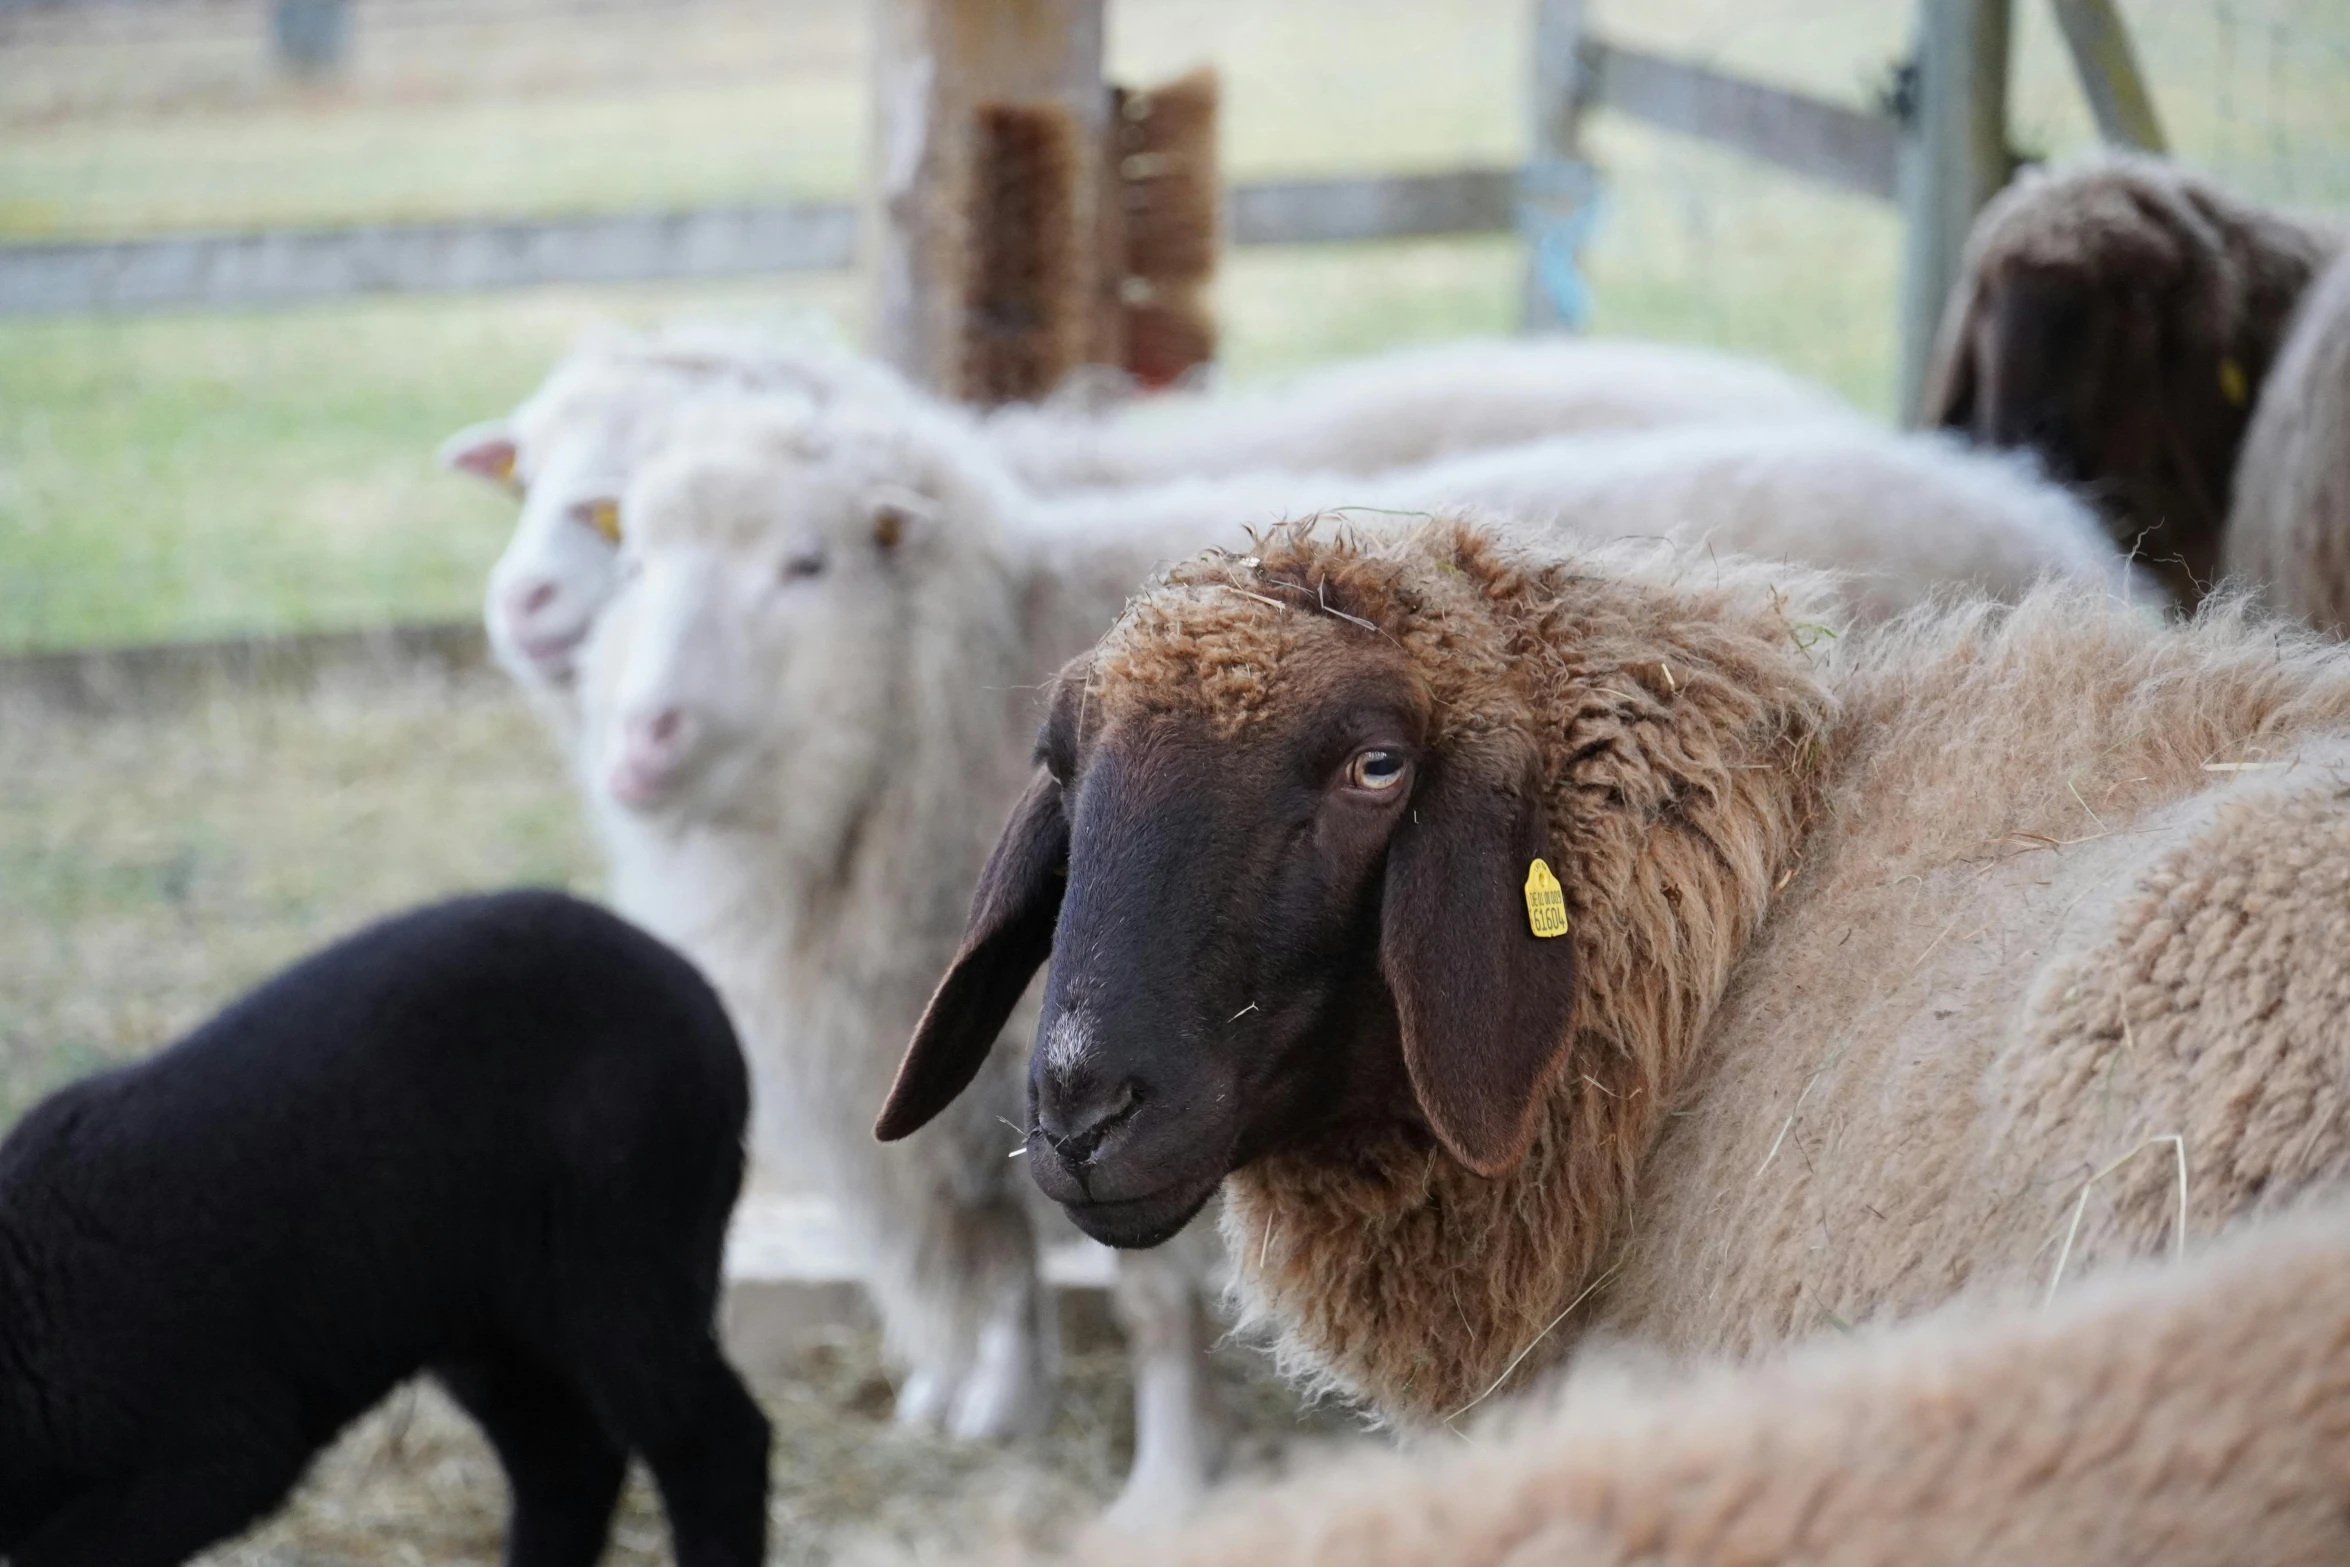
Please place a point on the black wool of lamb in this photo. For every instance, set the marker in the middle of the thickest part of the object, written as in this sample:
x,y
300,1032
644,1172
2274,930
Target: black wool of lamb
x,y
497,1138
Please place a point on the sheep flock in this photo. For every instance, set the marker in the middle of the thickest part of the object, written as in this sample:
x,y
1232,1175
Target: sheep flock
x,y
1744,986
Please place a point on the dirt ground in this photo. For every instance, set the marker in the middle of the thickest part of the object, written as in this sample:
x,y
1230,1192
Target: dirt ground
x,y
151,867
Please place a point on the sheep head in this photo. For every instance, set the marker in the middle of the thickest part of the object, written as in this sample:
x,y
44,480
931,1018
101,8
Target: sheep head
x,y
789,572
2116,320
1278,850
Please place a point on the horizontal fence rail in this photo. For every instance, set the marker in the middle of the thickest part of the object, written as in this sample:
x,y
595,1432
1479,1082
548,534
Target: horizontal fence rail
x,y
1310,212
1846,147
111,681
295,266
1828,142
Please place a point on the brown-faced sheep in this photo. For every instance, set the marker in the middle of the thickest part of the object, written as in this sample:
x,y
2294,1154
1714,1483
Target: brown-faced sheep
x,y
2197,1416
2289,531
1958,953
2118,317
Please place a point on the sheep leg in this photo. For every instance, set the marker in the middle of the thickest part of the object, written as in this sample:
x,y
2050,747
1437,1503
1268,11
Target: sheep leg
x,y
924,1399
1175,1430
958,1291
1010,1374
169,1512
563,1471
702,1435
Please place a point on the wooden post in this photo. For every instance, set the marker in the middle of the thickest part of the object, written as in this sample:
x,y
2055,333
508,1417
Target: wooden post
x,y
1954,159
1554,183
2108,68
935,63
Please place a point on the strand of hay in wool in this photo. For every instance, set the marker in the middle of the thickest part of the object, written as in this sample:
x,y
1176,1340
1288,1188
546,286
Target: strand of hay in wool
x,y
2178,1142
1588,1291
2093,816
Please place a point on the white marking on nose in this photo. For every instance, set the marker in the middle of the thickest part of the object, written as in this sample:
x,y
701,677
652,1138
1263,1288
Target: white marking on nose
x,y
1066,1042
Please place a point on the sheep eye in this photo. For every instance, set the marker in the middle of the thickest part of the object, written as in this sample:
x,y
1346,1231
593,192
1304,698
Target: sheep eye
x,y
1375,770
798,568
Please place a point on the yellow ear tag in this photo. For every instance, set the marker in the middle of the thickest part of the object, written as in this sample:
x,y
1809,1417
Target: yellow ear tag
x,y
2231,383
1546,901
604,517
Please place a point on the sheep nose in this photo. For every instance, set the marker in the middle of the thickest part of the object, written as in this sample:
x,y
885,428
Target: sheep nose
x,y
653,749
526,599
661,736
1075,1121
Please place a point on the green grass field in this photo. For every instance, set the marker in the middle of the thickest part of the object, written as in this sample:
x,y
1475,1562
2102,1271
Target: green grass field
x,y
192,475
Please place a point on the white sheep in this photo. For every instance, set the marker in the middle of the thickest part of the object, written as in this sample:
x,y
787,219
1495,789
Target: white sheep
x,y
568,450
1903,517
804,716
2288,534
1985,947
1406,407
570,447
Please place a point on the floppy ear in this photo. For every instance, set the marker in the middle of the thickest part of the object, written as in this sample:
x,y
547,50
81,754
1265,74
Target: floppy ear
x,y
486,450
897,512
1486,1005
1008,939
1948,401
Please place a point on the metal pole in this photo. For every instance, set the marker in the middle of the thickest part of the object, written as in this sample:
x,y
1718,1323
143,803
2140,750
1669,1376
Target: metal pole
x,y
1556,183
1954,159
2110,79
311,36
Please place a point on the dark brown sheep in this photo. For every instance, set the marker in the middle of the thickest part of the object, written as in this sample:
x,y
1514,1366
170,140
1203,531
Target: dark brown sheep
x,y
2117,317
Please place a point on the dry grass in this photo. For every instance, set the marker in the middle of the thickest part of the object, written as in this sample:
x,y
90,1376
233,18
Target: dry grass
x,y
152,868
414,1483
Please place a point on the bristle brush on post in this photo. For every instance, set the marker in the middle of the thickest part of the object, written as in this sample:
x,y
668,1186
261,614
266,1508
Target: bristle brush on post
x,y
1025,314
1167,198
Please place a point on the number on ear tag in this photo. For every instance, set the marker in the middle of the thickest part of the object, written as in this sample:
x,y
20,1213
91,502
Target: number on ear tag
x,y
1546,901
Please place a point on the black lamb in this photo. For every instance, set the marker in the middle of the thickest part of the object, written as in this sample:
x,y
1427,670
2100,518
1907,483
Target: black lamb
x,y
498,1138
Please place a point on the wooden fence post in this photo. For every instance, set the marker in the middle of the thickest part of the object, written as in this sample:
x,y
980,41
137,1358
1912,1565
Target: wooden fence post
x,y
1551,186
1954,159
935,63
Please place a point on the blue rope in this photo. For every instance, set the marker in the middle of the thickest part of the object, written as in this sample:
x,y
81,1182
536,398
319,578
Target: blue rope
x,y
1560,205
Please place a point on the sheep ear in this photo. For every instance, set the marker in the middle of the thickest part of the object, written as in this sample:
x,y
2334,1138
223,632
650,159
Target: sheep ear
x,y
487,450
1485,1003
1009,937
897,512
1948,401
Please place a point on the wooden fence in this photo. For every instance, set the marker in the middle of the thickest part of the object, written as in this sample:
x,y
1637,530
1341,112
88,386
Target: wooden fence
x,y
1937,147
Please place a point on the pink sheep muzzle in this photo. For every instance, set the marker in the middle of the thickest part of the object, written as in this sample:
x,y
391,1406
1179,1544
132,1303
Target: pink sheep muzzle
x,y
655,749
